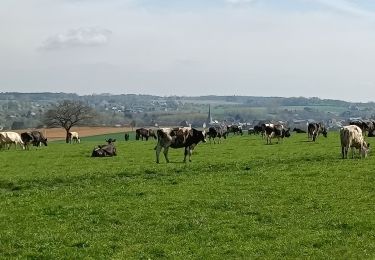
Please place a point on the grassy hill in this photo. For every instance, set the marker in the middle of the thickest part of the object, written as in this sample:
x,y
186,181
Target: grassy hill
x,y
238,199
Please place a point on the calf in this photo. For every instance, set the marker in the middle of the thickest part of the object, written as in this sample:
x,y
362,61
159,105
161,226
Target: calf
x,y
351,137
180,137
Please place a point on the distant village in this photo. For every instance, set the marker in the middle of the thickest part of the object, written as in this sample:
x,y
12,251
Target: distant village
x,y
26,110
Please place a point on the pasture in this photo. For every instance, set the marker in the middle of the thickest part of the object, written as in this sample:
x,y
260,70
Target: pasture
x,y
238,199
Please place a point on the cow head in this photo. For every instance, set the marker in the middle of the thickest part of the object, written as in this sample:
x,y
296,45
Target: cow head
x,y
324,131
286,132
199,136
44,141
365,148
110,140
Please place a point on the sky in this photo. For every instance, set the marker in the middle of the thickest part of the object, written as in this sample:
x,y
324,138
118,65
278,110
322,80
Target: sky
x,y
286,48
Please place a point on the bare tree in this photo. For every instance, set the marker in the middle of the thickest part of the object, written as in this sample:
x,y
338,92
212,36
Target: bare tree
x,y
67,114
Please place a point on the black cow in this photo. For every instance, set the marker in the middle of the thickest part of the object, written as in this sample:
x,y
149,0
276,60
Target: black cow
x,y
216,131
144,133
314,129
258,129
298,130
180,137
276,131
39,138
367,126
108,149
235,129
126,136
34,137
27,139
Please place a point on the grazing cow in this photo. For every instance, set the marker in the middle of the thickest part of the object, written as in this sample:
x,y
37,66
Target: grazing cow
x,y
27,139
235,129
216,131
144,133
104,150
34,137
276,131
314,129
126,136
367,126
180,137
74,137
8,138
38,138
351,137
298,130
258,129
251,131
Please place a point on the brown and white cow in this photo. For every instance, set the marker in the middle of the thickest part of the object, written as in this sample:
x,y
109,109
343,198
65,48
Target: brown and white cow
x,y
351,137
180,137
315,129
144,133
275,131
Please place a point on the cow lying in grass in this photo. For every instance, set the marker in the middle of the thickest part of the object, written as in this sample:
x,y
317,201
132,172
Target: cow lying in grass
x,y
108,149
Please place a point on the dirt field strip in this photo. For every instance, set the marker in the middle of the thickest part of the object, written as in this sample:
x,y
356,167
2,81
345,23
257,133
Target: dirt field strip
x,y
59,133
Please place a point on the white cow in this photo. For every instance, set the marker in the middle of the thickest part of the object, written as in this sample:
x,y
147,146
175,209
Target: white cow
x,y
74,137
8,138
351,137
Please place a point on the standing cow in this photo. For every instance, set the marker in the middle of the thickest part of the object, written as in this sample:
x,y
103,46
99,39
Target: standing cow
x,y
74,137
315,129
216,131
144,133
9,138
180,137
276,131
351,137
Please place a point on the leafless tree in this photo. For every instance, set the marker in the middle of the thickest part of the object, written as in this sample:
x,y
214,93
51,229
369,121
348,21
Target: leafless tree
x,y
67,114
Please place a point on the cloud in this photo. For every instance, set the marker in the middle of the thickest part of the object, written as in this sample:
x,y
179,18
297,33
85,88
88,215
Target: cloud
x,y
88,36
347,7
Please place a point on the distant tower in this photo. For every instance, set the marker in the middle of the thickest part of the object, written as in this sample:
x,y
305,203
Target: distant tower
x,y
209,118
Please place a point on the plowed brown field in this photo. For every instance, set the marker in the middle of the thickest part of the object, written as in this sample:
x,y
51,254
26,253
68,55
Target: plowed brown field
x,y
59,133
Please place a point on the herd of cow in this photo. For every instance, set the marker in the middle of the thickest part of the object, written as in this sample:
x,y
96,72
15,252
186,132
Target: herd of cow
x,y
351,136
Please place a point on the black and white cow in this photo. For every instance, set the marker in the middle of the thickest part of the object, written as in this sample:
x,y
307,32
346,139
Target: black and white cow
x,y
180,137
315,129
108,149
276,131
235,129
36,138
216,131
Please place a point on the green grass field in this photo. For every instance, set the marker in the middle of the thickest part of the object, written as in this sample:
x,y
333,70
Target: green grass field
x,y
238,199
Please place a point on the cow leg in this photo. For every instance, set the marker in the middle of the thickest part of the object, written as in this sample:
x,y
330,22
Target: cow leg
x,y
166,154
158,150
188,151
